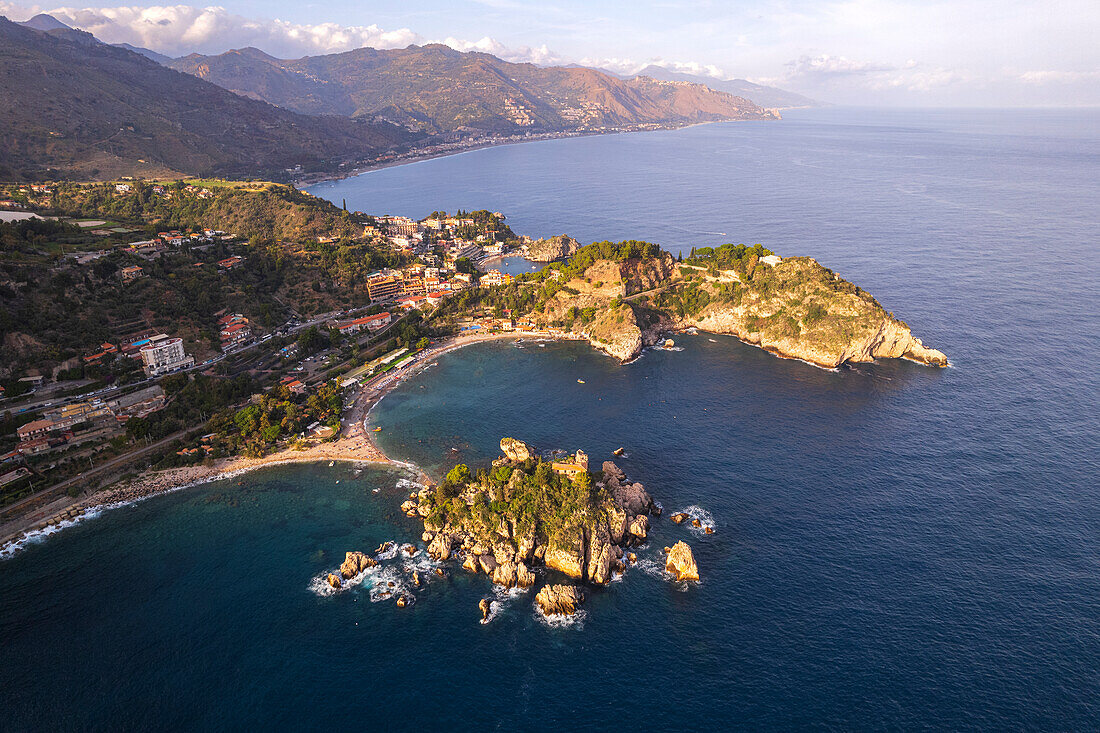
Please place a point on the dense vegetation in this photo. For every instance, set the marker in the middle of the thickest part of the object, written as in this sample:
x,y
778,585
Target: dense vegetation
x,y
528,495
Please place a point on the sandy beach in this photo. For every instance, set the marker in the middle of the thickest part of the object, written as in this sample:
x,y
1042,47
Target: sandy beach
x,y
354,444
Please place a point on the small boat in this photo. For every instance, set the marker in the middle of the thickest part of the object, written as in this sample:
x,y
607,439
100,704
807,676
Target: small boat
x,y
712,341
580,381
331,463
618,452
378,430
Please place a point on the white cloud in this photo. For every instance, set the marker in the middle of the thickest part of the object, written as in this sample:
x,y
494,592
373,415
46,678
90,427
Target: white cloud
x,y
1058,77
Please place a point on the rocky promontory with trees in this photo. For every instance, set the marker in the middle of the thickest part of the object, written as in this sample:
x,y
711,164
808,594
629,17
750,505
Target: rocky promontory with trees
x,y
524,512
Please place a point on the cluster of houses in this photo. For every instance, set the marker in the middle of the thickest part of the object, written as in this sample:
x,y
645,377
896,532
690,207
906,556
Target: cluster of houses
x,y
91,418
234,330
417,286
421,238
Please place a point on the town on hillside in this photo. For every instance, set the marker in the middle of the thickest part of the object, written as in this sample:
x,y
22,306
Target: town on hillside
x,y
148,326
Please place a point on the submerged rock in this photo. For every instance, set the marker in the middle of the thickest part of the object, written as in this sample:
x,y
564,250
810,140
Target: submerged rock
x,y
681,562
559,599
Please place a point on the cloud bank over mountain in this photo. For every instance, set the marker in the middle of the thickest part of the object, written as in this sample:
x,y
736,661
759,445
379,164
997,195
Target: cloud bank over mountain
x,y
975,52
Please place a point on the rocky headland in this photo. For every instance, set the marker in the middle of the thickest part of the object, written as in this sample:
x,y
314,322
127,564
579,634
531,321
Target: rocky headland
x,y
624,297
551,249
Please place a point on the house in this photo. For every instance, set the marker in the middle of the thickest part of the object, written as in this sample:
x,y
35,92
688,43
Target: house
x,y
434,298
572,468
384,287
370,323
772,260
496,277
163,355
104,349
413,302
130,274
234,329
123,188
35,429
293,384
230,262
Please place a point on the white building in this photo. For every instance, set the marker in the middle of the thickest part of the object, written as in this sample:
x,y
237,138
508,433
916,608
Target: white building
x,y
164,355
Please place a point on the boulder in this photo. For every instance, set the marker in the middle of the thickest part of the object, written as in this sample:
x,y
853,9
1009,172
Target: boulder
x,y
471,563
355,563
440,547
515,450
639,526
383,547
559,599
409,506
505,574
708,530
632,557
427,536
681,563
410,550
485,605
632,498
524,577
416,579
526,547
488,564
503,552
334,581
678,517
696,523
401,602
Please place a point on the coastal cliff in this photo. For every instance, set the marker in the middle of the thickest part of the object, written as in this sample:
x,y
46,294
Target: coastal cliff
x,y
550,250
623,298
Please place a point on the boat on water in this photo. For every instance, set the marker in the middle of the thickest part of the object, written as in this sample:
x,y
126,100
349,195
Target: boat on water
x,y
332,463
378,429
618,452
580,381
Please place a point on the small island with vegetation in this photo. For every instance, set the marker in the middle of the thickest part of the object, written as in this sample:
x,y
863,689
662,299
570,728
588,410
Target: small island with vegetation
x,y
524,512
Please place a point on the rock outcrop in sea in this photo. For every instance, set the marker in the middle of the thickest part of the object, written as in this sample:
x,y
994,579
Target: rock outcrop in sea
x,y
681,562
559,600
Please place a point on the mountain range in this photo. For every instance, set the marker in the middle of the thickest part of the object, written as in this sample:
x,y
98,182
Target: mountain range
x,y
72,106
437,89
75,107
765,96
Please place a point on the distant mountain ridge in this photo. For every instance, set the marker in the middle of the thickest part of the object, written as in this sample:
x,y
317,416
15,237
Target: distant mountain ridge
x,y
765,96
437,89
72,106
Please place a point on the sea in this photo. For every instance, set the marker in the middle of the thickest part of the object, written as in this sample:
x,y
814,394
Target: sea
x,y
894,546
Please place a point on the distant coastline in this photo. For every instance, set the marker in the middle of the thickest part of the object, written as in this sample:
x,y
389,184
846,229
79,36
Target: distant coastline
x,y
319,178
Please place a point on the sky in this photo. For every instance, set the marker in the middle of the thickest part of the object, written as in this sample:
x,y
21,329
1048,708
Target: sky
x,y
868,52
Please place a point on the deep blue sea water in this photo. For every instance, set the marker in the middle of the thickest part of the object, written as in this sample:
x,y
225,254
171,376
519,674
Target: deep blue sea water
x,y
896,546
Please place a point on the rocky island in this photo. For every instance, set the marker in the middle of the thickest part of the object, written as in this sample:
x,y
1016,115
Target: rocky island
x,y
525,512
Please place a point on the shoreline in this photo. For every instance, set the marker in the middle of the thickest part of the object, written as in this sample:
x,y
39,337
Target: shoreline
x,y
304,183
355,444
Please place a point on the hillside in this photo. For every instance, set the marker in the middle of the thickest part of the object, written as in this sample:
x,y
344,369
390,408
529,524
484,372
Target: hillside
x,y
440,90
73,107
764,96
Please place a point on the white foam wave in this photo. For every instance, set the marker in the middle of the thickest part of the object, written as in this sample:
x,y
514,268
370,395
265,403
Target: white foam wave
x,y
559,621
706,519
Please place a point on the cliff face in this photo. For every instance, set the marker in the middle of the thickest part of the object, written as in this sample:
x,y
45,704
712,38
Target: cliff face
x,y
799,309
555,248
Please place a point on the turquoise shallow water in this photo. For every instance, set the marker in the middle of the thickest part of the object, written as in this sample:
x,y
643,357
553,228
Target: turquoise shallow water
x,y
896,546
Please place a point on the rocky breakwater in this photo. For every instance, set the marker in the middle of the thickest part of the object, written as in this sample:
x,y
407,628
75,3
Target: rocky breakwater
x,y
523,512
